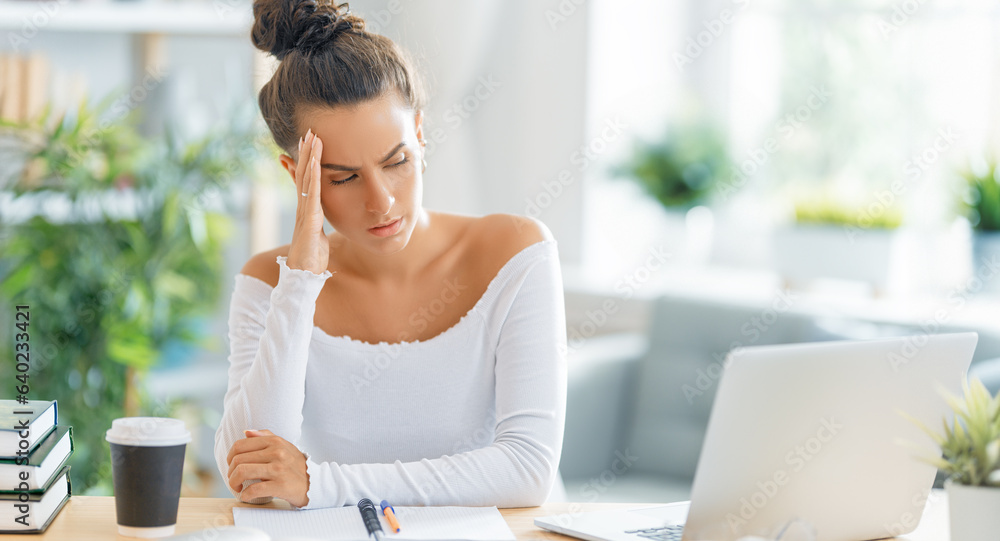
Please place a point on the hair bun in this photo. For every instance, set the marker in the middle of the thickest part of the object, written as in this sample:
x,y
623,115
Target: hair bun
x,y
281,26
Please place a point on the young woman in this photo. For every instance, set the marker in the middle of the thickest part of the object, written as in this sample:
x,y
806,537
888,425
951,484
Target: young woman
x,y
411,355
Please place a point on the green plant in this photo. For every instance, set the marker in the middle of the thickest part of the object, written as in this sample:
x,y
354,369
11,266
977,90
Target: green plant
x,y
682,168
830,211
970,446
981,199
109,291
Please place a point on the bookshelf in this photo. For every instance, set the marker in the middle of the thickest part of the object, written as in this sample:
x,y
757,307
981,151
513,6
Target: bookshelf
x,y
148,24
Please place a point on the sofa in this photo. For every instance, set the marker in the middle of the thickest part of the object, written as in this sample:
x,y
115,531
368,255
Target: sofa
x,y
638,402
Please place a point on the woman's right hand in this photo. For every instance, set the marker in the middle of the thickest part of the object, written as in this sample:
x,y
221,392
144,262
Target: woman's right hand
x,y
310,249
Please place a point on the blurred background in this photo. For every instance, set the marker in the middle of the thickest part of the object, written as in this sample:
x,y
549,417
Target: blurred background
x,y
717,174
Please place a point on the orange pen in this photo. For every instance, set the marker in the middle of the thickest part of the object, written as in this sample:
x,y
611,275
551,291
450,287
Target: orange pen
x,y
390,515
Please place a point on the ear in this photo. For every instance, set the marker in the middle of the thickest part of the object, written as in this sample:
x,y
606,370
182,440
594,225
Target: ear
x,y
289,164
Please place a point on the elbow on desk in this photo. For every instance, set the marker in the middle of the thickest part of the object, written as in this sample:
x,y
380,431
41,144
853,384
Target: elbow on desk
x,y
536,468
533,491
530,494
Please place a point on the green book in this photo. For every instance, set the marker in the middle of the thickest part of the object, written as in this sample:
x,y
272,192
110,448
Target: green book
x,y
37,469
35,514
22,426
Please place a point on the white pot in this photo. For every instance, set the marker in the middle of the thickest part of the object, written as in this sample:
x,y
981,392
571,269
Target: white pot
x,y
802,253
973,512
985,250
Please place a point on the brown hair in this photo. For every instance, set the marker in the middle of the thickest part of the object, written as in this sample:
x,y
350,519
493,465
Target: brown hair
x,y
327,59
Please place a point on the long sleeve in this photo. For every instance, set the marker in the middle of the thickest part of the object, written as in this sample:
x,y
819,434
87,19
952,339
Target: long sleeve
x,y
520,465
268,356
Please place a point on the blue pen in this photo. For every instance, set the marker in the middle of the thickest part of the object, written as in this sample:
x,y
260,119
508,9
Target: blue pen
x,y
390,515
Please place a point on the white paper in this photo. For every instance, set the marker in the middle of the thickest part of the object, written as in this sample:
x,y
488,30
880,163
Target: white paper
x,y
344,523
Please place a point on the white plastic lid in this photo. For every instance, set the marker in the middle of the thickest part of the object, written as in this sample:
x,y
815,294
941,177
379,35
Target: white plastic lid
x,y
148,432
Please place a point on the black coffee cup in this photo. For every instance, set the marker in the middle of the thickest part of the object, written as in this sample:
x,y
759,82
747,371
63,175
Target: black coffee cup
x,y
147,463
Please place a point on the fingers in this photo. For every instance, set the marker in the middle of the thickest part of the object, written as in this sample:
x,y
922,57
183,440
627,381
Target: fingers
x,y
305,148
257,456
312,201
256,490
248,471
262,456
307,182
244,446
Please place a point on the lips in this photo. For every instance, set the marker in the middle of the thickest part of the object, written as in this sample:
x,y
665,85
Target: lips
x,y
390,222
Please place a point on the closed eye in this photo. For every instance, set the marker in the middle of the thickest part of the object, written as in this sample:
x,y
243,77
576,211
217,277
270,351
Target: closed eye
x,y
350,178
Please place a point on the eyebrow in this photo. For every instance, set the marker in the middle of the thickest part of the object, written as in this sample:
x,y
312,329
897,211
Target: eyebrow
x,y
335,167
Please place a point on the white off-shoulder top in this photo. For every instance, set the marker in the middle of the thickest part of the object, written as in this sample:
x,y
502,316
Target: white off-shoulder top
x,y
473,416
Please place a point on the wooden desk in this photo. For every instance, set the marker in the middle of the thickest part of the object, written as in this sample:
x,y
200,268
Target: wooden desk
x,y
92,518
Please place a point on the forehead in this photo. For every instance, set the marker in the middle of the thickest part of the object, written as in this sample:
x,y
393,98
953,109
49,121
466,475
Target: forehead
x,y
367,129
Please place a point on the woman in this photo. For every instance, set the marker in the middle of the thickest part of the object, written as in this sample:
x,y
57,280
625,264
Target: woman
x,y
410,355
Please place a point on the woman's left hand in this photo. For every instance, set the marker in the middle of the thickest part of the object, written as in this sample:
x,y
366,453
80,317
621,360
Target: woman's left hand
x,y
279,465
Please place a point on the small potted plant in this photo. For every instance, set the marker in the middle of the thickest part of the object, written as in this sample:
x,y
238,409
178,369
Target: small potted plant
x,y
832,237
980,203
970,457
681,170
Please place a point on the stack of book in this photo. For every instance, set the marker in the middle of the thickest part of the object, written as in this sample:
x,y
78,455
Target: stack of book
x,y
30,81
34,476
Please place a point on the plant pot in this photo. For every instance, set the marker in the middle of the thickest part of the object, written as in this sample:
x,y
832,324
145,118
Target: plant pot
x,y
973,512
985,250
803,253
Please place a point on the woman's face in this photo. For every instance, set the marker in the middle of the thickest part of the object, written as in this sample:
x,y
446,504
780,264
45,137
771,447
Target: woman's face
x,y
370,170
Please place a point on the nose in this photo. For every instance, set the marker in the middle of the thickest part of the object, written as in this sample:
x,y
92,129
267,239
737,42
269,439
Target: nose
x,y
379,197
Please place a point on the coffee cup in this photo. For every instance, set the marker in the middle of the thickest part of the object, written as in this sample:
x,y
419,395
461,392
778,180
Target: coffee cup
x,y
147,463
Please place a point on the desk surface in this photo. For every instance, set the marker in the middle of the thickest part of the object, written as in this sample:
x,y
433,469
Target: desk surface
x,y
92,518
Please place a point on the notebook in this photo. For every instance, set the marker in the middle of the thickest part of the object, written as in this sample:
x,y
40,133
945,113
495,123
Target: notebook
x,y
39,417
40,465
344,523
35,514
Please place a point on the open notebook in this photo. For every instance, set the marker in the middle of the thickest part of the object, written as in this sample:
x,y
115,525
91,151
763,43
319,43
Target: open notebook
x,y
344,523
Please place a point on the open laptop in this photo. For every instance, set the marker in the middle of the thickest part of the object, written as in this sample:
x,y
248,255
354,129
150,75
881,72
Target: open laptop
x,y
808,436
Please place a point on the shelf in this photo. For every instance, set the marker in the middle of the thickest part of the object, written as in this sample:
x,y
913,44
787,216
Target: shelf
x,y
213,18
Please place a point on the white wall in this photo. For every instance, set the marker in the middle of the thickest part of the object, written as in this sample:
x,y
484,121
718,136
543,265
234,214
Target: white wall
x,y
500,142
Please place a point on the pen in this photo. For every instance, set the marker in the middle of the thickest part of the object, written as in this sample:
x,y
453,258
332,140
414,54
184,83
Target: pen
x,y
390,515
370,516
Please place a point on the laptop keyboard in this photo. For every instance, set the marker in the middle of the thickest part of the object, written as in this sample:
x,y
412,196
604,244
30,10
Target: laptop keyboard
x,y
666,533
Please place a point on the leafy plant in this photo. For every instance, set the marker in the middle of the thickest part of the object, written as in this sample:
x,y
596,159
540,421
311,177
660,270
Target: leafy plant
x,y
108,291
682,168
981,200
970,446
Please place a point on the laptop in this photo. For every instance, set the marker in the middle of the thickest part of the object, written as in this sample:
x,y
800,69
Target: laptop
x,y
807,437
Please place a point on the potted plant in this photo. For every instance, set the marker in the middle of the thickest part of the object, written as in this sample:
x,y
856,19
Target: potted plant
x,y
110,241
980,203
970,457
832,237
681,170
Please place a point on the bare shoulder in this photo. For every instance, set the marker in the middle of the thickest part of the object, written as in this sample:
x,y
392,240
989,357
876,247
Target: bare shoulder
x,y
264,266
505,235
